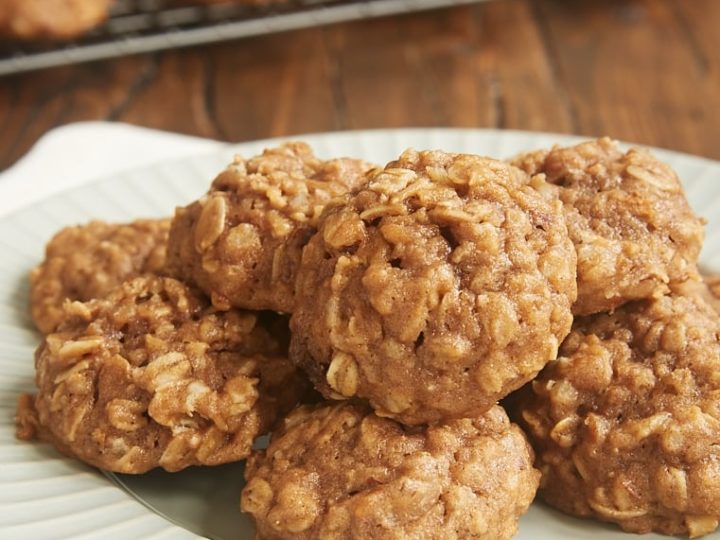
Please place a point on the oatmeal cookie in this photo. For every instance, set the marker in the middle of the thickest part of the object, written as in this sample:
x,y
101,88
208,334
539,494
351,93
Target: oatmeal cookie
x,y
712,286
340,471
151,376
627,215
86,261
626,423
708,289
435,290
51,19
241,242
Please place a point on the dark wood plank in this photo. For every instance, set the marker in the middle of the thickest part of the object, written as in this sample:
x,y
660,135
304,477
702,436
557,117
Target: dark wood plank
x,y
173,95
31,104
420,73
527,90
641,70
272,85
700,22
631,72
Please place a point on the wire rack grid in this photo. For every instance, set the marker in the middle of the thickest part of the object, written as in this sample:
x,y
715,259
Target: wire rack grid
x,y
140,26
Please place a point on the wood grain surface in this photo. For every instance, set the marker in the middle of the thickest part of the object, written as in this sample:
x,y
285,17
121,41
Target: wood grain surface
x,y
640,70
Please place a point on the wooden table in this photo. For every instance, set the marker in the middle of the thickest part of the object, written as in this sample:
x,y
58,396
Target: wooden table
x,y
645,71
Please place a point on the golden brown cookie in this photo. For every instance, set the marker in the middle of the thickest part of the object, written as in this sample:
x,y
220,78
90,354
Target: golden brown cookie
x,y
712,284
151,376
434,291
707,288
51,19
627,215
626,423
86,261
241,242
340,471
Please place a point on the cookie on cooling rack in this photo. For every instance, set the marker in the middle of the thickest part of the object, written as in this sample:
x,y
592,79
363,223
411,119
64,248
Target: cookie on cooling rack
x,y
51,19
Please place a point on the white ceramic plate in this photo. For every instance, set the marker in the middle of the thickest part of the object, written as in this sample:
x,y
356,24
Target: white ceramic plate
x,y
43,495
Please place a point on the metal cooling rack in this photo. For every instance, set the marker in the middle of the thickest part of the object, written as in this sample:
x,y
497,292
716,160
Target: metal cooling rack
x,y
139,26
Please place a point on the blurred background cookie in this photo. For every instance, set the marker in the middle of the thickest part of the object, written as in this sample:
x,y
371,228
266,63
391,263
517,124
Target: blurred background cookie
x,y
51,19
58,20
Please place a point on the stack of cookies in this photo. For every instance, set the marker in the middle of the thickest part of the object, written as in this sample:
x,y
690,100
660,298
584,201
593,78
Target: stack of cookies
x,y
372,318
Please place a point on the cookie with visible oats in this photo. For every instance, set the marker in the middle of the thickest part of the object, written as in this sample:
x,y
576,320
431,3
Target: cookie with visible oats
x,y
707,288
151,376
241,242
626,423
438,288
340,471
710,290
634,231
86,261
